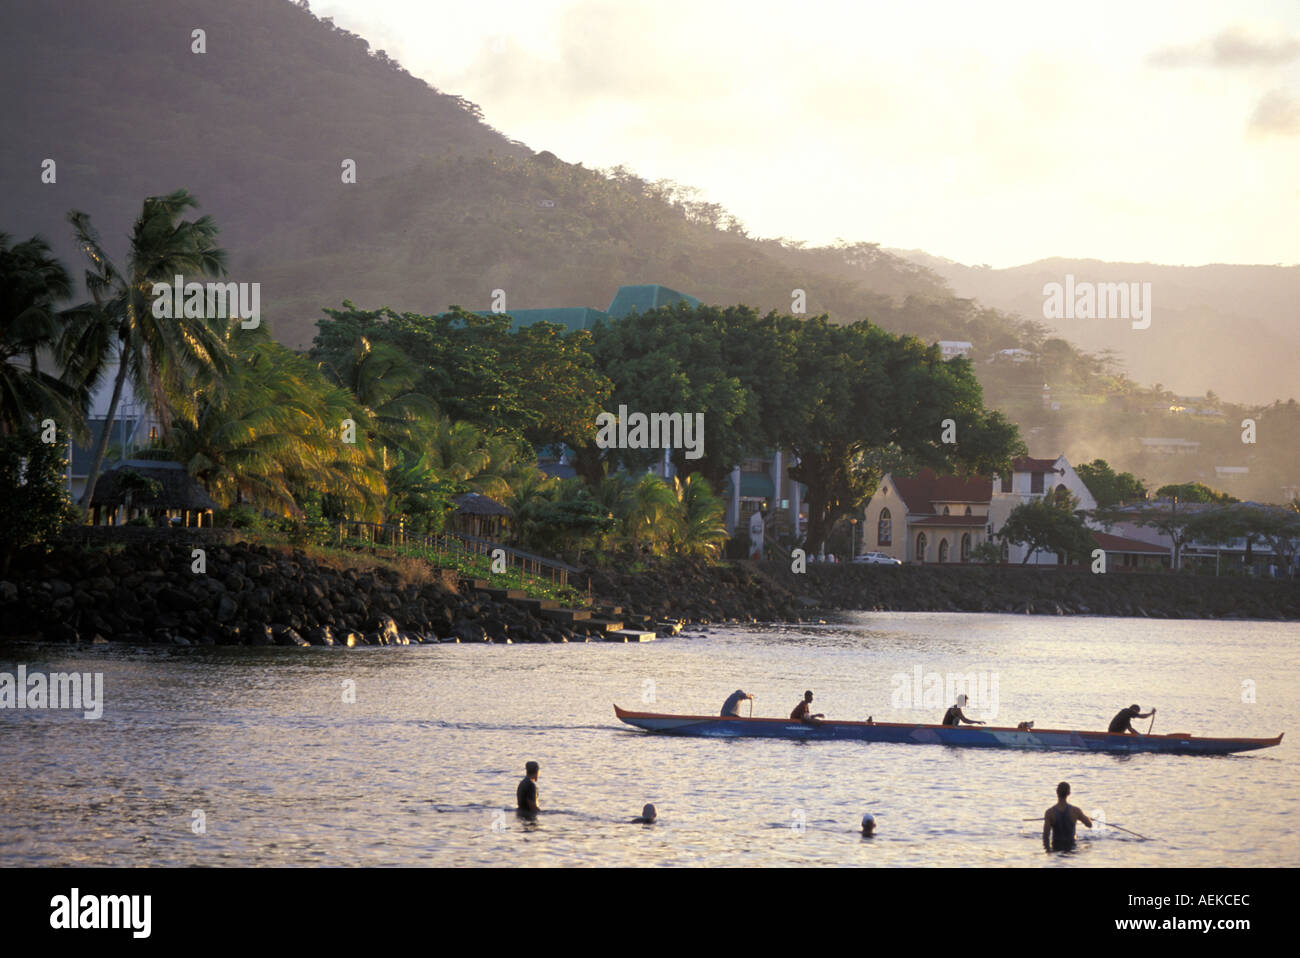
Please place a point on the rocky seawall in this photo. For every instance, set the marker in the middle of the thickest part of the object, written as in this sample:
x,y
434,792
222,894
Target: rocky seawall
x,y
1018,589
148,593
694,590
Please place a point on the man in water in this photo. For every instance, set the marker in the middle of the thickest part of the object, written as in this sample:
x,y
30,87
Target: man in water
x,y
868,825
1123,722
732,705
526,793
954,716
647,817
800,713
1058,822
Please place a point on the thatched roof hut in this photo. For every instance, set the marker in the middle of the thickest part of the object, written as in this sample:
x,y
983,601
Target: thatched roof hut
x,y
169,490
479,515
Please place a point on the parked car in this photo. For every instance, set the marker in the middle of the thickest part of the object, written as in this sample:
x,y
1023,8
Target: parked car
x,y
877,558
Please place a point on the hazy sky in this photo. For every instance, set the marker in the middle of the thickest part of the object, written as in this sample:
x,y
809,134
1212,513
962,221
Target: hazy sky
x,y
993,132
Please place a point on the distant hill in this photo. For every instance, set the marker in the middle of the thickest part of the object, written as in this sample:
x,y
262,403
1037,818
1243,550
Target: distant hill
x,y
257,127
446,210
1231,329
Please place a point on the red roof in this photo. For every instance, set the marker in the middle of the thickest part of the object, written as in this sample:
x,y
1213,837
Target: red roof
x,y
1120,544
1027,464
921,492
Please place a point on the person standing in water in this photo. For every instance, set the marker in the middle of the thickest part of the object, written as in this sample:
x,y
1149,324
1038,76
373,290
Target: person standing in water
x,y
526,793
1059,820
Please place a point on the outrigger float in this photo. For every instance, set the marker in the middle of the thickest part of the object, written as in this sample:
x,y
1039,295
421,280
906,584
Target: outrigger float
x,y
981,736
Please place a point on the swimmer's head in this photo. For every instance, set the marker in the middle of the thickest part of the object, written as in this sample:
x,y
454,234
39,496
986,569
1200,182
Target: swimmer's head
x,y
868,824
648,812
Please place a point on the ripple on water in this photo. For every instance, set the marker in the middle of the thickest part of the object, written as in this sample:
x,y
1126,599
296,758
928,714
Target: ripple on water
x,y
422,768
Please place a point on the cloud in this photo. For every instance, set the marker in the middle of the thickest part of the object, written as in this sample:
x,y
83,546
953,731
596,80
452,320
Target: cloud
x,y
1231,48
1278,111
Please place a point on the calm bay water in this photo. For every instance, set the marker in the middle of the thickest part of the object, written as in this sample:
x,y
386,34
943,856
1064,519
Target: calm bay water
x,y
421,769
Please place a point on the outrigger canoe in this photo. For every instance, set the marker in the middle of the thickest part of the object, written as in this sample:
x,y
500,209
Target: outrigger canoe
x,y
979,736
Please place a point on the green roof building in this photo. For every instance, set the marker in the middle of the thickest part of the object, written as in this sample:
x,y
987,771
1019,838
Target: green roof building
x,y
628,300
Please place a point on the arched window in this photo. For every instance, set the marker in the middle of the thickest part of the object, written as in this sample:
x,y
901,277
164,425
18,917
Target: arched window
x,y
885,529
943,549
968,512
920,547
945,510
965,546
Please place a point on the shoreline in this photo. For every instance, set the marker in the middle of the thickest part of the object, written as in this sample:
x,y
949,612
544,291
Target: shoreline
x,y
146,593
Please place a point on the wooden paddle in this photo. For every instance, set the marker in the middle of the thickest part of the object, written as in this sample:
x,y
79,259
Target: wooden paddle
x,y
1153,722
1123,829
1104,825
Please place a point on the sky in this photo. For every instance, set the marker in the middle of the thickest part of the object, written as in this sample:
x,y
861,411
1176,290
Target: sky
x,y
991,133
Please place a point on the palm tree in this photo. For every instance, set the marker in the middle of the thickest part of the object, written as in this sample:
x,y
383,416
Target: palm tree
x,y
382,379
270,432
653,514
492,465
702,530
31,282
160,356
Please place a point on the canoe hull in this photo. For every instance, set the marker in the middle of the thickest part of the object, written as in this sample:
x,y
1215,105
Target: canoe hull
x,y
980,736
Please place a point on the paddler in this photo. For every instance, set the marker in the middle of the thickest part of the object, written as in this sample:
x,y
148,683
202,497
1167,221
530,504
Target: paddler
x,y
1123,722
954,716
526,793
1059,820
732,705
800,713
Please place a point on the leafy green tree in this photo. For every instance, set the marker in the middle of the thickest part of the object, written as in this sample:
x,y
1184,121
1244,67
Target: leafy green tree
x,y
1164,516
1108,487
843,399
1279,527
1193,492
856,392
1051,523
561,517
163,358
688,360
418,496
34,503
987,553
536,385
557,380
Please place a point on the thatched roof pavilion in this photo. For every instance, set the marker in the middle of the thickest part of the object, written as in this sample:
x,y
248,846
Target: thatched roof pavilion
x,y
480,515
177,493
